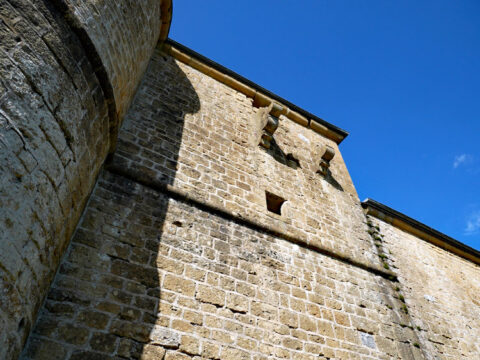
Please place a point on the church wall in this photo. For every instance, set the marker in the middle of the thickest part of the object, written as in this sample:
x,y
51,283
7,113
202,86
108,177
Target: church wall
x,y
54,136
183,250
57,124
150,275
442,293
203,142
177,255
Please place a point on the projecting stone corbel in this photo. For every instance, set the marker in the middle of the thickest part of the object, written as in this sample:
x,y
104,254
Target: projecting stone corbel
x,y
267,123
327,156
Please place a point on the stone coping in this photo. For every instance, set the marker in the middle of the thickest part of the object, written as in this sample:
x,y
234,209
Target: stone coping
x,y
420,230
166,17
261,97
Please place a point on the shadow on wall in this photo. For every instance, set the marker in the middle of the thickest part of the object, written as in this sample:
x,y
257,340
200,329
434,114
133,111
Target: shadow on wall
x,y
105,300
332,181
277,153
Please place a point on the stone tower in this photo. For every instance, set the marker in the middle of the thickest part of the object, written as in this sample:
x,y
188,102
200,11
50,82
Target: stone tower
x,y
156,205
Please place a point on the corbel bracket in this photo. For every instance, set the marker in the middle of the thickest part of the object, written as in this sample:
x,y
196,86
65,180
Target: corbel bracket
x,y
269,123
327,156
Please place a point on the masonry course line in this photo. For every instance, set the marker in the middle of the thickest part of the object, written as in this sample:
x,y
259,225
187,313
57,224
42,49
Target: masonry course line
x,y
184,197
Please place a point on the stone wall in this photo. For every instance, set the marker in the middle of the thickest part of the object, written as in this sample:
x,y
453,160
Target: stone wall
x,y
442,293
201,139
148,276
183,250
177,255
123,34
55,131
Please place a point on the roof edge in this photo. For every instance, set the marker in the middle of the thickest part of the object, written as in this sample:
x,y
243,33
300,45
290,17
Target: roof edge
x,y
421,230
261,96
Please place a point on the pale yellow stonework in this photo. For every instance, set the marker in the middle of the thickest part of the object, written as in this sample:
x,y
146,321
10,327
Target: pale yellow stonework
x,y
223,224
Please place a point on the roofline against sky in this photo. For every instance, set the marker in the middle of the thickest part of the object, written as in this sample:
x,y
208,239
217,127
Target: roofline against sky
x,y
420,230
261,96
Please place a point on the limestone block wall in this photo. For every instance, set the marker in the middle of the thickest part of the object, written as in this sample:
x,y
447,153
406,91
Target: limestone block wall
x,y
178,257
56,121
210,154
123,34
183,250
442,292
54,136
152,275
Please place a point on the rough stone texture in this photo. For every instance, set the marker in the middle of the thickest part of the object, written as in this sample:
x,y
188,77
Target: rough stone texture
x,y
124,33
159,275
178,257
442,293
55,133
53,127
209,154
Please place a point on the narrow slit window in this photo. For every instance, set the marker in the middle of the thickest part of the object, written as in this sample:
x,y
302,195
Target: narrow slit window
x,y
274,202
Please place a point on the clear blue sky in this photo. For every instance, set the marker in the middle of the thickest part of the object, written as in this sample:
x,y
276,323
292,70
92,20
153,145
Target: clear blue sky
x,y
403,77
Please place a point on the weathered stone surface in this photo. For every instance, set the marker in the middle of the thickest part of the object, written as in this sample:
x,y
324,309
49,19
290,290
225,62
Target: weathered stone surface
x,y
124,33
64,65
106,343
178,257
164,337
217,321
442,293
151,352
209,155
53,126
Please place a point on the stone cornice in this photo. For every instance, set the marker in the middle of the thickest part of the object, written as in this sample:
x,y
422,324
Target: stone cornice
x,y
420,230
261,97
166,17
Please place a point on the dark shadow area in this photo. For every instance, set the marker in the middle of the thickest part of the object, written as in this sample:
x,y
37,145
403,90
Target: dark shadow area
x,y
105,300
289,160
279,155
331,180
274,202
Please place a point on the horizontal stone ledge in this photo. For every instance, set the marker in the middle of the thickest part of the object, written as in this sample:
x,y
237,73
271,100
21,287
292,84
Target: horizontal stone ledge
x,y
260,96
422,231
183,196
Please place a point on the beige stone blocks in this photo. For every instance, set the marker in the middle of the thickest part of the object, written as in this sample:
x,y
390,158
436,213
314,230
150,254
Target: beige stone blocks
x,y
210,295
438,289
237,303
179,257
179,285
182,303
